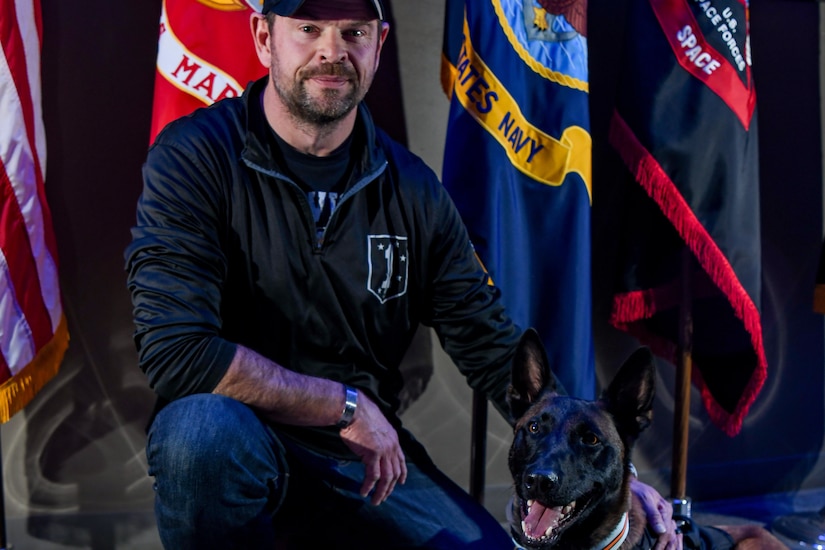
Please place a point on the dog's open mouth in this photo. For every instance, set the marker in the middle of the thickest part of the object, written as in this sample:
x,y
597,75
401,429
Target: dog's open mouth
x,y
540,522
542,525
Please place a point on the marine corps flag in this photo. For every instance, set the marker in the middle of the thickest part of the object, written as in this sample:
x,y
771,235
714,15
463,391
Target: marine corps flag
x,y
685,126
205,53
517,163
33,331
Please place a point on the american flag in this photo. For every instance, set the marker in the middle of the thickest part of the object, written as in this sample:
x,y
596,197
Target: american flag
x,y
33,331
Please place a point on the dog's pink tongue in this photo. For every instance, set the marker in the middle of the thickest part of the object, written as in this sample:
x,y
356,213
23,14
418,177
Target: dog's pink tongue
x,y
539,518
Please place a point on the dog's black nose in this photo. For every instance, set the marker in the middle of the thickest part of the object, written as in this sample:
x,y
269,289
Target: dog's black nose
x,y
540,482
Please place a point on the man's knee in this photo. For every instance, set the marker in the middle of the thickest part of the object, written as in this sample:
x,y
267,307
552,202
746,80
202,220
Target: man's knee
x,y
203,435
219,473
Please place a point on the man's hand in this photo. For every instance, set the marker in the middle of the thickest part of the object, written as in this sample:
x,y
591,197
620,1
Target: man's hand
x,y
289,397
659,514
375,441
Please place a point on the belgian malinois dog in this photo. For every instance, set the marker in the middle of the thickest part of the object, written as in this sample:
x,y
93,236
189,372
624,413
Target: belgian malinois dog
x,y
570,460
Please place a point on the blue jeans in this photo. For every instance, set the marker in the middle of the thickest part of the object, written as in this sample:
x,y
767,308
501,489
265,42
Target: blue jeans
x,y
224,479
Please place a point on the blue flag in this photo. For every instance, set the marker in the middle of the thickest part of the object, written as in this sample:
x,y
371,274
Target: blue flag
x,y
518,164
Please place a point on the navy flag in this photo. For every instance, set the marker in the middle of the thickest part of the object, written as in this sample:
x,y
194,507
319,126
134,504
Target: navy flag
x,y
685,126
518,162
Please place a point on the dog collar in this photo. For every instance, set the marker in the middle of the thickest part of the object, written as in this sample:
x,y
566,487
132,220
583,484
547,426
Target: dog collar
x,y
617,537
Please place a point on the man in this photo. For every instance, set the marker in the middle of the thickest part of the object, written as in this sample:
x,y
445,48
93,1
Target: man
x,y
284,253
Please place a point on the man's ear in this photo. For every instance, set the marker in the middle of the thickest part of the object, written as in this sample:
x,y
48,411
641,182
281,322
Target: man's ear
x,y
383,32
261,35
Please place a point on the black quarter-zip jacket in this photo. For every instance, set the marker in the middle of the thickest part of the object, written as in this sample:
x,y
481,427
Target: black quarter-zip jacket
x,y
225,252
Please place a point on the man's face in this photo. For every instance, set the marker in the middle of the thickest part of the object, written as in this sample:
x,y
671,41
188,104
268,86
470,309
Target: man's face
x,y
321,70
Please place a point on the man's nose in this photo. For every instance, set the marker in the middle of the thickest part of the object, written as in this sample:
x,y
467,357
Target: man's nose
x,y
331,46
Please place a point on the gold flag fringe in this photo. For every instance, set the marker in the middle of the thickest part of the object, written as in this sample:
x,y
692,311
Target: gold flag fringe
x,y
20,389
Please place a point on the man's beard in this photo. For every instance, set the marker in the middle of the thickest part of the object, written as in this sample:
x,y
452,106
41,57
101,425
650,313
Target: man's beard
x,y
332,106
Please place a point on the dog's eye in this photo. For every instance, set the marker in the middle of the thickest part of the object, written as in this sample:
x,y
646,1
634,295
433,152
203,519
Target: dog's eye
x,y
590,439
533,427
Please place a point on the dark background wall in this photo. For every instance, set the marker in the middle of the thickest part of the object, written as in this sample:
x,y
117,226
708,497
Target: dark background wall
x,y
78,448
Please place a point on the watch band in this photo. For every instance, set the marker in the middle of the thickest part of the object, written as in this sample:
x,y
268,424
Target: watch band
x,y
350,404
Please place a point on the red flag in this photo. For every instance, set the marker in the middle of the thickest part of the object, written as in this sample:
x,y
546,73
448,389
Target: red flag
x,y
33,331
205,53
685,126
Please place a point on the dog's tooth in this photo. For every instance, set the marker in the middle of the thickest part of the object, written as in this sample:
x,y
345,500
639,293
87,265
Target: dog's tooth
x,y
524,527
549,531
530,503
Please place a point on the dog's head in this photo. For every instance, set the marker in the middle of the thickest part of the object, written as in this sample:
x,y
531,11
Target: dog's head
x,y
570,457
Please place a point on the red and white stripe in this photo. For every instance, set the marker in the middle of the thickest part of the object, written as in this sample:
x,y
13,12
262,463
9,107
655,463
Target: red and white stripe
x,y
30,303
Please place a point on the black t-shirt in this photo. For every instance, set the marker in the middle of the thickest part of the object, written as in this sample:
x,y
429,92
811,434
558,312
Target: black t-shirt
x,y
322,178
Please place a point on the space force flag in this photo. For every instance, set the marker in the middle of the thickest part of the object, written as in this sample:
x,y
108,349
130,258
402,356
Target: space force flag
x,y
205,53
685,126
33,330
517,163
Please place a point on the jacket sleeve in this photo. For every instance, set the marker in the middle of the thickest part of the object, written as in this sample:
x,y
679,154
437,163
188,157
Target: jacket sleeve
x,y
466,310
175,267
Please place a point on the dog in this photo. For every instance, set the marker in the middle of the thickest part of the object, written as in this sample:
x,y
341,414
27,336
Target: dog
x,y
570,460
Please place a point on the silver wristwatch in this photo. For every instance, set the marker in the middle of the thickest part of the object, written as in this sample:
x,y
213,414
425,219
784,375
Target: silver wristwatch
x,y
350,404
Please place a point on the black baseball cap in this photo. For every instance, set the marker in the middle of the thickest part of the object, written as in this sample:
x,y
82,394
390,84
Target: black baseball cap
x,y
289,7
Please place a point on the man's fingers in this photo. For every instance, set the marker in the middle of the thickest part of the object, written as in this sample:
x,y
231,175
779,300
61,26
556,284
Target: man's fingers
x,y
671,541
657,524
385,484
394,470
674,543
372,473
403,477
659,512
665,508
375,441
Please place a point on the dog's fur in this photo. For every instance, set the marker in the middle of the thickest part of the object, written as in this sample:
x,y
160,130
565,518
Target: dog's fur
x,y
570,458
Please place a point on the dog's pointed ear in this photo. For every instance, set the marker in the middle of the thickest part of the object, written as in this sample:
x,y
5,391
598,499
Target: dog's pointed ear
x,y
529,375
629,397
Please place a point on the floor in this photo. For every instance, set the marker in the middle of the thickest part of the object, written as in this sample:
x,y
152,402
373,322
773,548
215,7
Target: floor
x,y
136,531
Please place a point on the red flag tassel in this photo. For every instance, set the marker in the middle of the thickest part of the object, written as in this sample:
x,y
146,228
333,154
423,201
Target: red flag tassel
x,y
643,304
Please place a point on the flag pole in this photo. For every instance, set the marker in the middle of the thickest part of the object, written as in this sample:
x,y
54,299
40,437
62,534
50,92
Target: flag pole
x,y
681,416
478,446
3,544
